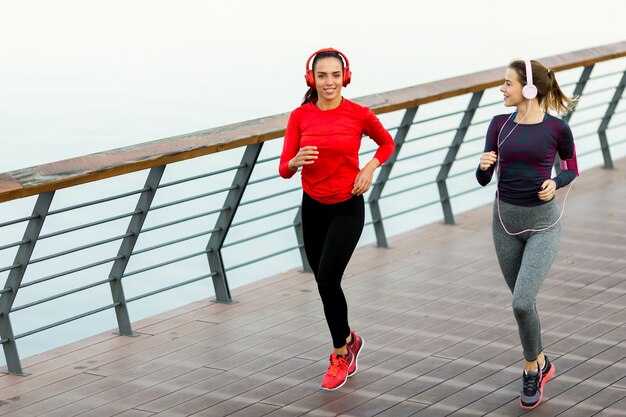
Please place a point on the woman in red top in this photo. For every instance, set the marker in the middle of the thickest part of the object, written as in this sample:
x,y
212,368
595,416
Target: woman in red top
x,y
323,138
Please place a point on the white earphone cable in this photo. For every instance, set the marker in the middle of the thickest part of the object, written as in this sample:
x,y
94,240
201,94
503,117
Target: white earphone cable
x,y
499,144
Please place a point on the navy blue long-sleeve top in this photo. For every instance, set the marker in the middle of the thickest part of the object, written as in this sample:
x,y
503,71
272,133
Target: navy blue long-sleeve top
x,y
526,157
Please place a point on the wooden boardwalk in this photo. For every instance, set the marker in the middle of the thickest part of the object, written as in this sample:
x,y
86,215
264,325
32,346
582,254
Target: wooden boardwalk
x,y
435,314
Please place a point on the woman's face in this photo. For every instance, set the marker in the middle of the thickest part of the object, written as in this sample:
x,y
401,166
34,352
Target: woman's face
x,y
512,88
328,78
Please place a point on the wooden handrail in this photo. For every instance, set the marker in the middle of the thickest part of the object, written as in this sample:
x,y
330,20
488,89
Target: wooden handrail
x,y
69,172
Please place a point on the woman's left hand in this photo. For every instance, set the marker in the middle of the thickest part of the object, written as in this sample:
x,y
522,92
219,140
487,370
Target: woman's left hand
x,y
363,181
547,191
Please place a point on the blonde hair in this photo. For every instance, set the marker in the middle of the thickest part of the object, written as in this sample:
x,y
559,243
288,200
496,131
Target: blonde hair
x,y
549,93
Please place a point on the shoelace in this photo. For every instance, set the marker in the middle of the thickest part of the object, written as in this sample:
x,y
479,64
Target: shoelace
x,y
337,364
531,382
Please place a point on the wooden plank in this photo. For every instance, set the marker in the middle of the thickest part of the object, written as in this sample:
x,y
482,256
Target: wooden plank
x,y
126,395
30,403
435,314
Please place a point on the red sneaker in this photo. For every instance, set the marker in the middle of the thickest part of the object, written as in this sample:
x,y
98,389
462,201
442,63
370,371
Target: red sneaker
x,y
337,372
355,348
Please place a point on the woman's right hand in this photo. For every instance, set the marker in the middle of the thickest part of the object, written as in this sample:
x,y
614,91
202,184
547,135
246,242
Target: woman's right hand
x,y
487,159
305,156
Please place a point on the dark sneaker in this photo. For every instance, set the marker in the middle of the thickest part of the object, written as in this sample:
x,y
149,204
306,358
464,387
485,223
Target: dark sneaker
x,y
337,372
534,382
530,396
355,347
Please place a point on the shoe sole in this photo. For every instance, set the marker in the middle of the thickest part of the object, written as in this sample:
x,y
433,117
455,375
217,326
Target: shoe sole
x,y
356,356
337,387
544,380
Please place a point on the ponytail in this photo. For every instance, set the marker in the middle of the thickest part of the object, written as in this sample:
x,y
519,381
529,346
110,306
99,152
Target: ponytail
x,y
555,98
309,96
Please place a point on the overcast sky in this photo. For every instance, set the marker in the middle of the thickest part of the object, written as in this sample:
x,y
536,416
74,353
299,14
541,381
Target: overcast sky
x,y
84,76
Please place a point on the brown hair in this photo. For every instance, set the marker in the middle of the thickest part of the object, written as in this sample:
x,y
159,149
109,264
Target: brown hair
x,y
549,93
311,93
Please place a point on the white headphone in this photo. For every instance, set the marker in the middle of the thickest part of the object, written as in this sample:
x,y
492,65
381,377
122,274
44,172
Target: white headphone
x,y
529,91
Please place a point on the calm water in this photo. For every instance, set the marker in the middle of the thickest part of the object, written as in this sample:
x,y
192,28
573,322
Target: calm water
x,y
79,77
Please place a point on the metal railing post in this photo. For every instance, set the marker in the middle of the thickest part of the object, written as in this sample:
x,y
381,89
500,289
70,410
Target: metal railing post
x,y
14,280
383,176
297,225
442,176
580,86
578,92
225,219
604,142
126,249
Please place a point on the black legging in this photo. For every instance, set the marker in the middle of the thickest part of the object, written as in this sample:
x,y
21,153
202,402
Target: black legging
x,y
331,232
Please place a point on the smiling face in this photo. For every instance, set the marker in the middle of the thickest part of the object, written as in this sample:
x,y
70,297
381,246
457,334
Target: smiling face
x,y
328,79
512,88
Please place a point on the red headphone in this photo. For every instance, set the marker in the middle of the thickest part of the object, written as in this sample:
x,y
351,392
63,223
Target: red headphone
x,y
309,76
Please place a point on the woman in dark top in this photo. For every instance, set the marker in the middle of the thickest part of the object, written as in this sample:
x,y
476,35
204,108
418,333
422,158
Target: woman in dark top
x,y
522,148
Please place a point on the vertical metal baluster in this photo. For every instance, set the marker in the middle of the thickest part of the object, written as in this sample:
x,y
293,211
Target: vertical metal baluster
x,y
578,91
14,280
451,157
580,86
225,219
604,142
126,249
383,177
297,224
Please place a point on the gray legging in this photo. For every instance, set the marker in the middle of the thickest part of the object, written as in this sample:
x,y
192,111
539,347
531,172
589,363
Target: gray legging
x,y
525,260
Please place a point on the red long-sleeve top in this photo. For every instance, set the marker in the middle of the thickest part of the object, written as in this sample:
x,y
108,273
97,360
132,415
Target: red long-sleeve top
x,y
337,133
